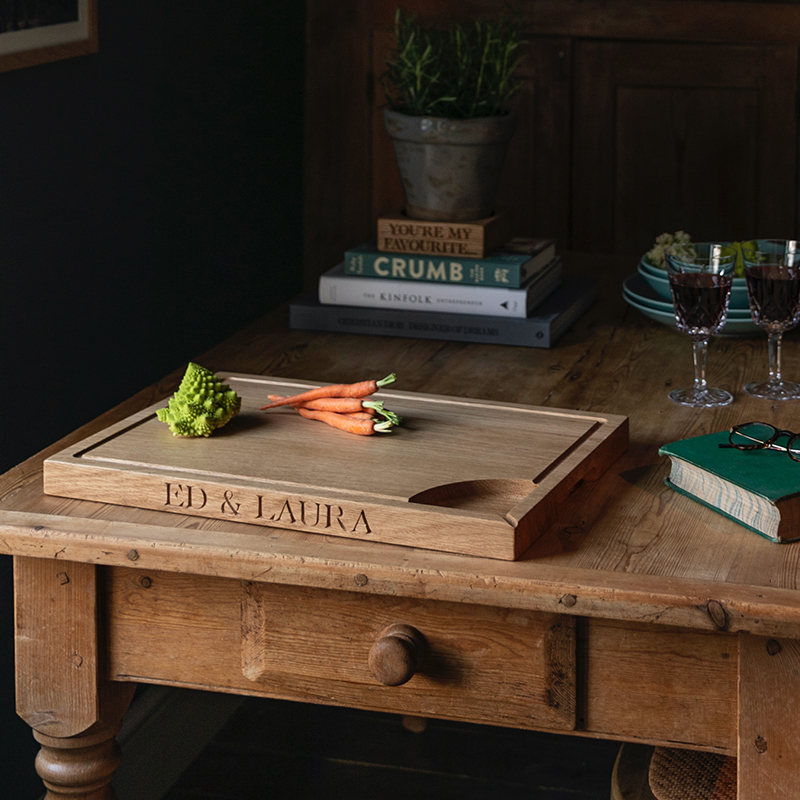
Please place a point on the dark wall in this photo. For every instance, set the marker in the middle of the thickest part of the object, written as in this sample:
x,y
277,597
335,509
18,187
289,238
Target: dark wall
x,y
150,204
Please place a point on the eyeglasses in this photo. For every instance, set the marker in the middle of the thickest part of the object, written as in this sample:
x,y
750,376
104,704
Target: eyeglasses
x,y
763,436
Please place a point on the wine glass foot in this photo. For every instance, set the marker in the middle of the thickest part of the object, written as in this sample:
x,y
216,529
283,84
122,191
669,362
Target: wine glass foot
x,y
701,398
774,390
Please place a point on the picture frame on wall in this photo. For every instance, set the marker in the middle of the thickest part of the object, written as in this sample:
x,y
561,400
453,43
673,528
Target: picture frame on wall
x,y
37,31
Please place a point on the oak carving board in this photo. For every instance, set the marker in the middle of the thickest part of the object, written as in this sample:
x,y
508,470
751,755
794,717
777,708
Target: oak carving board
x,y
463,476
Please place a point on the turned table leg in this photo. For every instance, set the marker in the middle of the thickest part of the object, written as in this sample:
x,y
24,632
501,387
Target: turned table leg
x,y
74,713
80,766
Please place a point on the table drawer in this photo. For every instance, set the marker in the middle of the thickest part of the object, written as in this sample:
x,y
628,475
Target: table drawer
x,y
477,663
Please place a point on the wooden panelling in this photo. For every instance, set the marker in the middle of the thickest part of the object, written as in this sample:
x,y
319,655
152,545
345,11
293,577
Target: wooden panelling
x,y
629,670
688,20
634,118
682,136
769,732
337,181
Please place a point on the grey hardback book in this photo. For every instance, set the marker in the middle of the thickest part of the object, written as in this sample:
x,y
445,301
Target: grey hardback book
x,y
542,329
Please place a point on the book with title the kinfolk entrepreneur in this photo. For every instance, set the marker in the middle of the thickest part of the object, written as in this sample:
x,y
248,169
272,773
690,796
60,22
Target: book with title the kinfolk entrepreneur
x,y
339,289
759,489
543,329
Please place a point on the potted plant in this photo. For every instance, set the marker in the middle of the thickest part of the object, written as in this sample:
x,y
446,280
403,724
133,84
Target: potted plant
x,y
447,91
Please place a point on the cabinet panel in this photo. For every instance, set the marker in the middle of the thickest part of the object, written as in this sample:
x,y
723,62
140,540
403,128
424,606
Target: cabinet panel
x,y
608,153
682,136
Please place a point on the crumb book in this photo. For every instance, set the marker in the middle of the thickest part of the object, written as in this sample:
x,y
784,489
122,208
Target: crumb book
x,y
759,489
510,266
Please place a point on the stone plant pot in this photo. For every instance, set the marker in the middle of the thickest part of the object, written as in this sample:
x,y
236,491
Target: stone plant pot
x,y
450,168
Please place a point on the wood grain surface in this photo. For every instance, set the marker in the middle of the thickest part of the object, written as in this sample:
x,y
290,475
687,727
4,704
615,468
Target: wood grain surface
x,y
769,701
623,546
619,680
458,475
684,625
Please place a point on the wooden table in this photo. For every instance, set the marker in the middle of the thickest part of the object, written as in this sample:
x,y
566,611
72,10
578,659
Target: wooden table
x,y
639,616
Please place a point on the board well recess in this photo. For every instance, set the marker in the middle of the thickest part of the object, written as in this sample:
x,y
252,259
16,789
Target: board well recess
x,y
460,475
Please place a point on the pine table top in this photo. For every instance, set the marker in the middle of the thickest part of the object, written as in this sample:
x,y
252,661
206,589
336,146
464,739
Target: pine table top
x,y
624,546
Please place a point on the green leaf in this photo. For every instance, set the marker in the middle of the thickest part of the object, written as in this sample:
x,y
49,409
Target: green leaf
x,y
468,68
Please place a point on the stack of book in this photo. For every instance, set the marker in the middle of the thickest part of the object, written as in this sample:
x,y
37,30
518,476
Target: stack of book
x,y
470,281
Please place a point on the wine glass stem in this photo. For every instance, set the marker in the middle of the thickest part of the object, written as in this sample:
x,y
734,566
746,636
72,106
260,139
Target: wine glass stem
x,y
775,357
699,351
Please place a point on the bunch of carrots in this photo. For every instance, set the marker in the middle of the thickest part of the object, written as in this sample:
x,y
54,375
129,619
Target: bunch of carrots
x,y
343,406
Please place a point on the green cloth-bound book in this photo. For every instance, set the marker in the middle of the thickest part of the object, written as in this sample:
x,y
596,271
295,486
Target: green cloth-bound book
x,y
759,489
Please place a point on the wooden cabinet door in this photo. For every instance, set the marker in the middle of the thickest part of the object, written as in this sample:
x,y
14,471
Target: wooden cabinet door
x,y
670,136
630,126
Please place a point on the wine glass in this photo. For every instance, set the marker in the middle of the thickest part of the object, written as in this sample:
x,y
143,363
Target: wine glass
x,y
700,280
772,271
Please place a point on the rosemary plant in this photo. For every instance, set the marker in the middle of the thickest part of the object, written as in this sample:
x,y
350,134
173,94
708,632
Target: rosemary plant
x,y
462,71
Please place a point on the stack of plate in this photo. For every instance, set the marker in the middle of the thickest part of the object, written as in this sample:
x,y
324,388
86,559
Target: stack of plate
x,y
647,290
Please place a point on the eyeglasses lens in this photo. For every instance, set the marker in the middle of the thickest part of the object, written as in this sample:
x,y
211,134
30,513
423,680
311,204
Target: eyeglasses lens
x,y
753,435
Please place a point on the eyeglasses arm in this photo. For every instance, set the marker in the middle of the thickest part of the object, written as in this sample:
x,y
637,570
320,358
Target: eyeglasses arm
x,y
763,446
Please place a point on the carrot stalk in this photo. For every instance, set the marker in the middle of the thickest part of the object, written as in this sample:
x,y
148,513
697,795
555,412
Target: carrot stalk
x,y
360,415
355,407
361,389
344,405
351,405
363,427
378,408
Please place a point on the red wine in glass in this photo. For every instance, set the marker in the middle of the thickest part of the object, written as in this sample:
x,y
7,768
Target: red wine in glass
x,y
700,283
701,301
774,294
773,289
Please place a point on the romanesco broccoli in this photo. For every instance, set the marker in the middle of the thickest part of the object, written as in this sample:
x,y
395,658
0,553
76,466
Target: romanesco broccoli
x,y
201,405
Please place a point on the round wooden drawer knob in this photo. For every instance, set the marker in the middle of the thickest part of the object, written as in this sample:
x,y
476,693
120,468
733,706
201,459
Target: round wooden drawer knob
x,y
397,654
